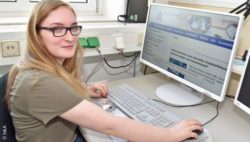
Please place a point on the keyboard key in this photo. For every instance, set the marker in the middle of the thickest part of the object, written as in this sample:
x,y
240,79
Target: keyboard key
x,y
140,107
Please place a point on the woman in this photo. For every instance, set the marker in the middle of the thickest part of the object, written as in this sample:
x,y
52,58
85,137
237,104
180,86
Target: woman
x,y
46,97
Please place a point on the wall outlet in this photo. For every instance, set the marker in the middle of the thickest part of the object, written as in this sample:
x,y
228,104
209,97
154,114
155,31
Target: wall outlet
x,y
10,48
118,41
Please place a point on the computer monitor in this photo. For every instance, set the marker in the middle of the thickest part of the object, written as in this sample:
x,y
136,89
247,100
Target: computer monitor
x,y
242,98
194,47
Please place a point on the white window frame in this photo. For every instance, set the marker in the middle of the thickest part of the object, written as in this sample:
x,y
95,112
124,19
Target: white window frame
x,y
76,1
17,13
24,7
8,0
217,3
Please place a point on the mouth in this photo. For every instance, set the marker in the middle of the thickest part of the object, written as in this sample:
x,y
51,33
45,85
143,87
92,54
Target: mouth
x,y
68,46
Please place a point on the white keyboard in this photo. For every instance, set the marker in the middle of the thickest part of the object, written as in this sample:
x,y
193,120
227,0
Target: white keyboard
x,y
142,108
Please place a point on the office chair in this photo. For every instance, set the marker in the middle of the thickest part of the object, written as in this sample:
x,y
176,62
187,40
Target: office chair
x,y
6,124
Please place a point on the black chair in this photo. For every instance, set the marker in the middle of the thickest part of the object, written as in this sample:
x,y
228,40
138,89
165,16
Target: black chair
x,y
6,124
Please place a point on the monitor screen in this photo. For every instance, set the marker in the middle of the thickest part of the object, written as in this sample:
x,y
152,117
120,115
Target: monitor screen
x,y
242,99
194,47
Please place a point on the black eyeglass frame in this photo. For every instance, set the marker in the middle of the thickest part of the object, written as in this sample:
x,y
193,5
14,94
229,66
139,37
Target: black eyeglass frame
x,y
52,29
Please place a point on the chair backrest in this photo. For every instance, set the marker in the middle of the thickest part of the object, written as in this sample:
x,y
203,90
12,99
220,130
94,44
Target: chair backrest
x,y
7,129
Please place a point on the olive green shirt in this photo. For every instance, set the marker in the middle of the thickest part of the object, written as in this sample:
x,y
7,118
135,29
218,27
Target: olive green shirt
x,y
37,100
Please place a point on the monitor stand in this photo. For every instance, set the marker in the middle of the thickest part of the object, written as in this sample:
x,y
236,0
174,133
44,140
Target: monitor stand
x,y
179,94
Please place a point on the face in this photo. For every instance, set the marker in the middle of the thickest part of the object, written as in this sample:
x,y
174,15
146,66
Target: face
x,y
60,47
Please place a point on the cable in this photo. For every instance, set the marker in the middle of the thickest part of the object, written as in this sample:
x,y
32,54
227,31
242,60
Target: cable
x,y
243,9
182,105
116,67
134,68
145,69
217,108
94,71
217,113
133,65
246,14
125,70
101,65
132,55
239,9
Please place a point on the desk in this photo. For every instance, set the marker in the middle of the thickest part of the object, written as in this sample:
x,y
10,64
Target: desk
x,y
232,124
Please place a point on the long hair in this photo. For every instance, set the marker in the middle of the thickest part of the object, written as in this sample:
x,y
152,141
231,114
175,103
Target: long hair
x,y
38,57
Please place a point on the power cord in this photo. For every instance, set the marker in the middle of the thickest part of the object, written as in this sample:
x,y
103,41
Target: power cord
x,y
239,9
125,55
116,67
94,71
145,69
121,53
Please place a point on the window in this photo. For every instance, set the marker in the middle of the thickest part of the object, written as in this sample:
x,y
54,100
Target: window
x,y
7,0
76,1
23,7
14,12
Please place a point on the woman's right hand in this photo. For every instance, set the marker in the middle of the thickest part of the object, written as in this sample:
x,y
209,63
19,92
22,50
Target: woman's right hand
x,y
185,128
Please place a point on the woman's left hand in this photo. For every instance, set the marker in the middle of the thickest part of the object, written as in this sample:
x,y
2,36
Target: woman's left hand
x,y
98,89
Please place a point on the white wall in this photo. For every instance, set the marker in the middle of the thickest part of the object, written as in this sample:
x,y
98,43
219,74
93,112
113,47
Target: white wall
x,y
104,31
14,29
94,69
113,8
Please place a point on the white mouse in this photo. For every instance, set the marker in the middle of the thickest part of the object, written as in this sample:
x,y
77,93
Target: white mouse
x,y
106,104
109,107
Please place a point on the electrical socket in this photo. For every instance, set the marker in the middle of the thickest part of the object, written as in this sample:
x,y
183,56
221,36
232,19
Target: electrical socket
x,y
118,41
10,48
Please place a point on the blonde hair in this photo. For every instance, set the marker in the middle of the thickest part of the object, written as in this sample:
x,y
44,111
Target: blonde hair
x,y
38,57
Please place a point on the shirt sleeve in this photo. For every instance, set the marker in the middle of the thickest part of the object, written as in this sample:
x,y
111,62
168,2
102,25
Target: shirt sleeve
x,y
51,97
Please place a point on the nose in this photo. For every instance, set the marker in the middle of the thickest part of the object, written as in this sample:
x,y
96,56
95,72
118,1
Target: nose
x,y
69,36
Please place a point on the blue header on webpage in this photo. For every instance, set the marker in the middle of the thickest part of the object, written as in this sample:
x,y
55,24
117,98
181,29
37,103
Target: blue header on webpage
x,y
204,38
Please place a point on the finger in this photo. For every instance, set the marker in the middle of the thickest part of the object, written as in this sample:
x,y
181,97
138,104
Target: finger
x,y
194,122
101,92
104,89
104,94
196,128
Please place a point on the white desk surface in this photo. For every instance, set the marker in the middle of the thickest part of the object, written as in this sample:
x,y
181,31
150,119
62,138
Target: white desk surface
x,y
232,124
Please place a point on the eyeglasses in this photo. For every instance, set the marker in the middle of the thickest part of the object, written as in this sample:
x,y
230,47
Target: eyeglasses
x,y
61,31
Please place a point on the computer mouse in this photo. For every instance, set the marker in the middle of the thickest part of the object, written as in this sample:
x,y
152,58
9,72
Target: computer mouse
x,y
109,107
106,104
198,132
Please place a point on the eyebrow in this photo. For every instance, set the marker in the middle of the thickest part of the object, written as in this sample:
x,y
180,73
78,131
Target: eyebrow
x,y
60,24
